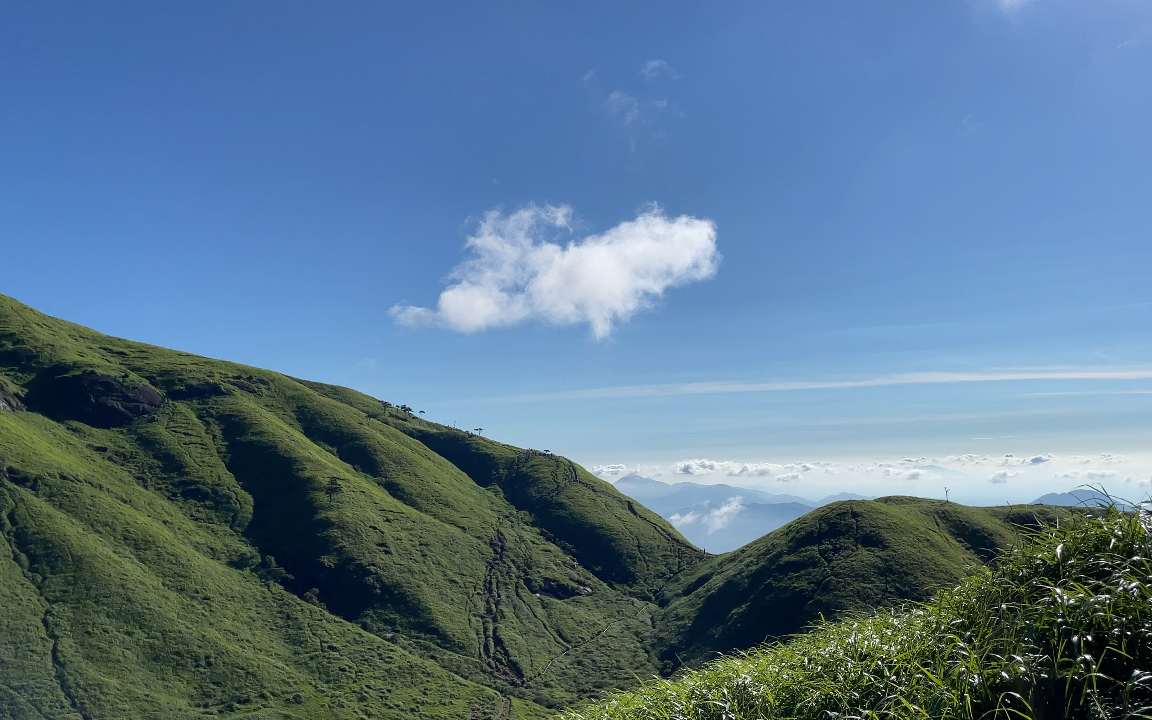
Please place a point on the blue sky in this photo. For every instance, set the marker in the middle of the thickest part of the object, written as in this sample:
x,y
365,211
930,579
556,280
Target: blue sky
x,y
749,233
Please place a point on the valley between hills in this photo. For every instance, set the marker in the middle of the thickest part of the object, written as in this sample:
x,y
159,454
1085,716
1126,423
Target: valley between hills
x,y
185,537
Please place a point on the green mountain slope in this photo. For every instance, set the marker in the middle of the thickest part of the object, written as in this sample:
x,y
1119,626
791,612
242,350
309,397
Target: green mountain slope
x,y
209,534
846,556
184,536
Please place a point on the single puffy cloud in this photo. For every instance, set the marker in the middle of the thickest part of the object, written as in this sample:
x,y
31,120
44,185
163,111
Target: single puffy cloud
x,y
714,518
517,272
1002,476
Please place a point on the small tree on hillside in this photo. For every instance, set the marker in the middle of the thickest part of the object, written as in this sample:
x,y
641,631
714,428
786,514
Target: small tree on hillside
x,y
333,489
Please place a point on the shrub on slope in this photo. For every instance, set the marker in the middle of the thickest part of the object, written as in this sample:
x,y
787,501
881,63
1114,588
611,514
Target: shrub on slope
x,y
1060,628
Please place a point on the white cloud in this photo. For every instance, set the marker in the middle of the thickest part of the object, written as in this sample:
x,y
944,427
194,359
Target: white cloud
x,y
609,470
909,474
714,519
1002,476
761,469
780,473
653,68
631,111
703,466
516,273
625,107
1086,474
1032,460
918,378
614,471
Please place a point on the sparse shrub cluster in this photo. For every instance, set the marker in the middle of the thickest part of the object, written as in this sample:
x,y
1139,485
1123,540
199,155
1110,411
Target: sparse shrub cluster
x,y
1059,628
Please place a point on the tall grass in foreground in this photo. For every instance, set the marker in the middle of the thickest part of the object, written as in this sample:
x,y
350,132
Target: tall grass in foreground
x,y
1059,628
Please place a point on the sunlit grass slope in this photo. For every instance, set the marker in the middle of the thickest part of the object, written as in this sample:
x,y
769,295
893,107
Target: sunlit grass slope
x,y
1060,628
182,534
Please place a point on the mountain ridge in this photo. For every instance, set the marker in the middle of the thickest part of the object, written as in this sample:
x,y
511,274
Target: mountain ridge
x,y
182,536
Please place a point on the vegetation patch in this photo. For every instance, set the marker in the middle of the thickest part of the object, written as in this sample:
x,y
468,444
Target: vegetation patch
x,y
1058,628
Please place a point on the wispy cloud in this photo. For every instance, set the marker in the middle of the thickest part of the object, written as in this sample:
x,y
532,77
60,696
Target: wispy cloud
x,y
1088,475
518,271
654,68
624,107
918,378
632,111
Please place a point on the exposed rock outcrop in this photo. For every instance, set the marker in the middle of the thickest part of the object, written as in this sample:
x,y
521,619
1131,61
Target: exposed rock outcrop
x,y
92,398
9,402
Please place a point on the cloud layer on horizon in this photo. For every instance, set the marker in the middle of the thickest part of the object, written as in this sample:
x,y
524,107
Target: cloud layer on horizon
x,y
518,271
1008,477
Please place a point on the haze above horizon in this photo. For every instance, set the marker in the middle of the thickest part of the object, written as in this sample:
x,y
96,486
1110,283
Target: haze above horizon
x,y
911,237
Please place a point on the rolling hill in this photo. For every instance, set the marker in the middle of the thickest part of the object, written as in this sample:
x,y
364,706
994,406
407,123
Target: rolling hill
x,y
185,537
847,556
1057,628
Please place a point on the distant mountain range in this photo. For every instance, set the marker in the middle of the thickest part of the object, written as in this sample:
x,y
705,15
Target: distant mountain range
x,y
721,517
1081,498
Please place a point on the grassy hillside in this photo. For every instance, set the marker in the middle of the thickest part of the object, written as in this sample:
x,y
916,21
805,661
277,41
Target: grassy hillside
x,y
853,555
1057,629
184,533
182,536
